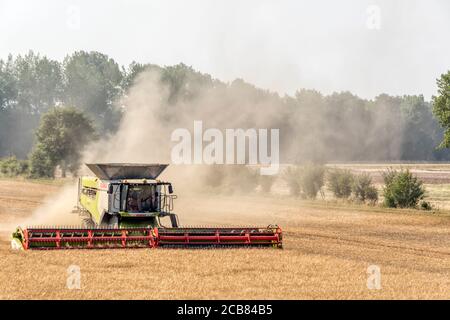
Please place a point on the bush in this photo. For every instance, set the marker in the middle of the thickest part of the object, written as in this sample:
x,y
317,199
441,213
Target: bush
x,y
230,179
305,181
243,178
402,189
372,195
363,189
292,177
41,165
340,183
266,182
311,180
12,167
24,167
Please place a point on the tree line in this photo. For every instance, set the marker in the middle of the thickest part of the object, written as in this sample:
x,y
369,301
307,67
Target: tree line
x,y
313,126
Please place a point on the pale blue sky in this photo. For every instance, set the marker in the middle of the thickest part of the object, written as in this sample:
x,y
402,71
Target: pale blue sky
x,y
278,45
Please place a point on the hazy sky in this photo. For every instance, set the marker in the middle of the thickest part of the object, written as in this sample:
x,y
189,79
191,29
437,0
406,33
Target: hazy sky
x,y
367,47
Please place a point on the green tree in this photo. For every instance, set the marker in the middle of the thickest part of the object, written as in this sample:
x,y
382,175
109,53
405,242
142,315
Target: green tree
x,y
39,82
29,86
363,189
441,107
92,83
184,82
311,180
8,84
292,175
11,167
42,166
402,189
306,120
8,96
133,71
340,182
419,128
346,120
61,136
315,127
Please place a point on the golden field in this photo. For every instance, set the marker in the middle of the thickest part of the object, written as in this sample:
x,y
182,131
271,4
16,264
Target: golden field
x,y
328,246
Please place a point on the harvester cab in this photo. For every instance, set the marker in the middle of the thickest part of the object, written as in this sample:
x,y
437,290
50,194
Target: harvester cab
x,y
122,206
125,195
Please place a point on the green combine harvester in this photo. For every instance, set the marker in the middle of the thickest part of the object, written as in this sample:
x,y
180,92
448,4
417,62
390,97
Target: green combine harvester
x,y
122,206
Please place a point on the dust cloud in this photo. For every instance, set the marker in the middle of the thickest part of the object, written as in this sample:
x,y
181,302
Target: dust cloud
x,y
150,117
151,113
144,134
56,209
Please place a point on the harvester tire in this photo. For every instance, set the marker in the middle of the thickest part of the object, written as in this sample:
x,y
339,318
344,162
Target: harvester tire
x,y
114,222
110,221
16,244
88,223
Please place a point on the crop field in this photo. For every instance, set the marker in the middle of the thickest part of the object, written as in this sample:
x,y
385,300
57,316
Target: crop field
x,y
328,248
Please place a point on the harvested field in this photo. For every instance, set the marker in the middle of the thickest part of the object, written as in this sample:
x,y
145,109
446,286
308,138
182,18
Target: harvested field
x,y
328,247
430,173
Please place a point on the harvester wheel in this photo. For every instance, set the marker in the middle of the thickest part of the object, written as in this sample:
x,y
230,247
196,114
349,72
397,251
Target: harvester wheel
x,y
16,244
112,222
88,223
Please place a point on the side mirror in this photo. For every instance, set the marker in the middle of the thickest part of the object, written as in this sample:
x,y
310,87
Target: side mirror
x,y
170,189
110,189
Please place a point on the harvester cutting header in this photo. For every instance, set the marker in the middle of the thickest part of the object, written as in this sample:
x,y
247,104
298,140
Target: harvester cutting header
x,y
122,207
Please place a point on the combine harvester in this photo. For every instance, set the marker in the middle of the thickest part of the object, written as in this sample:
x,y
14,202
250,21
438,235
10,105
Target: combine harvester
x,y
122,207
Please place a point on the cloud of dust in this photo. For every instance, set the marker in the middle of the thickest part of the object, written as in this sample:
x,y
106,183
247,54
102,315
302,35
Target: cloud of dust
x,y
56,210
150,117
144,134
